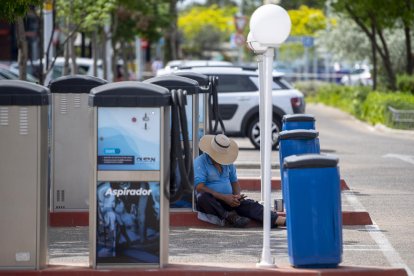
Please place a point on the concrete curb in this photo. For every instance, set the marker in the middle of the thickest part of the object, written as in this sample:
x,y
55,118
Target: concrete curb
x,y
212,270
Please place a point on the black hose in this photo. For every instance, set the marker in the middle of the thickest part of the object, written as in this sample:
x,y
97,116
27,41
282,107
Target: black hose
x,y
171,189
186,156
213,100
179,121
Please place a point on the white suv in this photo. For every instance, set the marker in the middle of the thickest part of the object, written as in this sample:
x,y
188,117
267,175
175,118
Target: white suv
x,y
238,97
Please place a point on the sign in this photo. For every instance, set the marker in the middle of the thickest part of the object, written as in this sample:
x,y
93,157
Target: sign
x,y
239,39
307,41
128,139
128,223
240,22
144,43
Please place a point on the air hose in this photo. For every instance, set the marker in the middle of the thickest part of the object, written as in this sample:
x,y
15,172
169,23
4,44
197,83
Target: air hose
x,y
178,156
214,108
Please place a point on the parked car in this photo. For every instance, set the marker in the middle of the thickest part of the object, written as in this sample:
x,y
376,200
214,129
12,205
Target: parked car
x,y
359,76
174,65
9,73
238,96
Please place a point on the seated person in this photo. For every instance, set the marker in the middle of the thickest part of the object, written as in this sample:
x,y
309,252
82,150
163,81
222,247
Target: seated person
x,y
217,187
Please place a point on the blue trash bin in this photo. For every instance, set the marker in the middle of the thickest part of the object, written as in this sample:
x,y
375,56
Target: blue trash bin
x,y
313,210
298,141
298,121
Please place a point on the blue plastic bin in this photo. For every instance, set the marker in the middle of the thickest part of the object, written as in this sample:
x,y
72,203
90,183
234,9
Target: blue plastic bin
x,y
313,210
298,121
298,141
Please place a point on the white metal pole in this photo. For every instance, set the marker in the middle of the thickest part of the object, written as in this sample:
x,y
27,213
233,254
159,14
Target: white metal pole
x,y
261,120
267,260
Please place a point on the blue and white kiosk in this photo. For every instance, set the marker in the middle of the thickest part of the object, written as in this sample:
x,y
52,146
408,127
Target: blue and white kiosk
x,y
129,214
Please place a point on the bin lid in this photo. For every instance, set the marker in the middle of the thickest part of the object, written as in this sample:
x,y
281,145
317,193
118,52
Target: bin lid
x,y
176,82
129,94
310,161
298,118
298,134
203,80
75,84
18,92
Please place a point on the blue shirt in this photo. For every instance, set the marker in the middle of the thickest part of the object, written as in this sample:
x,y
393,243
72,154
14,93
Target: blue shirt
x,y
205,172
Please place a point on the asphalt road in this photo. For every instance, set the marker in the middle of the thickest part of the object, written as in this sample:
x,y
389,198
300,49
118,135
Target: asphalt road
x,y
378,166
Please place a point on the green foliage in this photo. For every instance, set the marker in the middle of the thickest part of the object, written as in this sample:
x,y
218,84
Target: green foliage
x,y
11,9
375,108
405,83
213,22
85,15
310,88
295,4
146,18
364,104
307,21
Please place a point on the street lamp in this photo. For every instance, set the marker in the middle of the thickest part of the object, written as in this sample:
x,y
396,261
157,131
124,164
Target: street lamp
x,y
269,26
258,49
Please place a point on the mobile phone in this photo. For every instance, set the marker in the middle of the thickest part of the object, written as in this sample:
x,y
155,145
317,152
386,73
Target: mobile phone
x,y
243,196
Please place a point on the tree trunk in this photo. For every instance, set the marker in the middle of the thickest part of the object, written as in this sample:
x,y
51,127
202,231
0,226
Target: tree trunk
x,y
114,26
66,50
171,51
72,51
392,81
22,46
382,51
374,59
72,54
125,73
407,32
104,60
94,54
410,65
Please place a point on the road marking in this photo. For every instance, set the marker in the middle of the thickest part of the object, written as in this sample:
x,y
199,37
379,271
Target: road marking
x,y
406,158
392,256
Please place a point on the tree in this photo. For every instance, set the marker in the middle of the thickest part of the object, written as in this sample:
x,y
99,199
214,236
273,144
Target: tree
x,y
14,11
200,22
77,16
374,18
144,18
306,21
295,4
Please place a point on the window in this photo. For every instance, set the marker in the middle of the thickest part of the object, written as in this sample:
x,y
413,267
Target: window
x,y
278,83
235,83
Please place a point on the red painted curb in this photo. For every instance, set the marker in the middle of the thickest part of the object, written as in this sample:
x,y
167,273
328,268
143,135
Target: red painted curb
x,y
68,219
253,184
356,218
212,270
189,219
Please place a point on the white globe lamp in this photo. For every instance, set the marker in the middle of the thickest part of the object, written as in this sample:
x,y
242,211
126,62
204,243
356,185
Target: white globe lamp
x,y
255,46
270,25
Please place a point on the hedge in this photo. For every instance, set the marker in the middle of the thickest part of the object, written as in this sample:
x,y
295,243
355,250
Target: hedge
x,y
363,103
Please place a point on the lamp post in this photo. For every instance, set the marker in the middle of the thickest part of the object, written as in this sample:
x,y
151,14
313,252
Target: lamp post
x,y
259,51
269,26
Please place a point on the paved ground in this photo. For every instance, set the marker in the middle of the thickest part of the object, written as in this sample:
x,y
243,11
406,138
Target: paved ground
x,y
363,245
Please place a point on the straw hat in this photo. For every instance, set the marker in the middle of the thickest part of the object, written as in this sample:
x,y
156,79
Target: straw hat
x,y
220,148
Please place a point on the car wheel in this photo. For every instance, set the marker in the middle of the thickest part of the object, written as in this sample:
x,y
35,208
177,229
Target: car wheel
x,y
253,132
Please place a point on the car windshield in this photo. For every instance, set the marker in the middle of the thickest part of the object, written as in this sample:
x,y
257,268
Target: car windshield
x,y
278,83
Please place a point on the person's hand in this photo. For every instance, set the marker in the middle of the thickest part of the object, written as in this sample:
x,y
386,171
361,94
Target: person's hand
x,y
231,200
